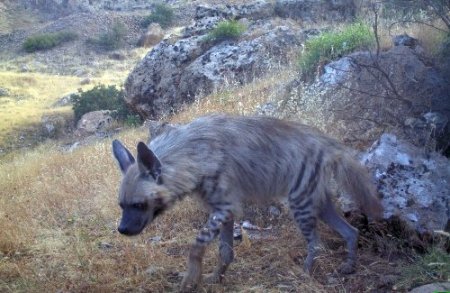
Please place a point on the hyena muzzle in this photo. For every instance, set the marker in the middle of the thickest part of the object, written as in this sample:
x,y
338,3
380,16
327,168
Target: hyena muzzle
x,y
225,160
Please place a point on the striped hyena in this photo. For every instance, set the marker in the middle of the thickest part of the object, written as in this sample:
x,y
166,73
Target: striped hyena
x,y
227,160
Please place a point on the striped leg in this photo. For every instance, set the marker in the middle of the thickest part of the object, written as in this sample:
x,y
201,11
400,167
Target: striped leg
x,y
226,254
331,217
194,273
301,203
306,219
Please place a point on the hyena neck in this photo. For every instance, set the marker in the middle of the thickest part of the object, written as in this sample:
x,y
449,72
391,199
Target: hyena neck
x,y
178,184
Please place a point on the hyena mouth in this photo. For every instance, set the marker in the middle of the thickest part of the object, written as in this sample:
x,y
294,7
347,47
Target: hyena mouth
x,y
158,211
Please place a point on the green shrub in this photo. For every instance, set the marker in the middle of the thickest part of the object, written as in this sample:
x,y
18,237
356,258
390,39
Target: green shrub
x,y
332,45
226,30
433,266
111,40
104,98
47,41
163,14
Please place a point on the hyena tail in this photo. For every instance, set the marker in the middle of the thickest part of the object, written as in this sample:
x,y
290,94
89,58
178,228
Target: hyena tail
x,y
355,179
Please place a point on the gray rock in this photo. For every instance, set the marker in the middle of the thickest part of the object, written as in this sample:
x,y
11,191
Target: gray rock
x,y
414,185
85,81
202,26
405,40
361,95
435,287
253,9
53,126
4,92
311,10
172,75
94,122
155,239
105,245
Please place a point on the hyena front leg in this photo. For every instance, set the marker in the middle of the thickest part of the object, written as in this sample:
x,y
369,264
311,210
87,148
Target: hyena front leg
x,y
330,216
226,254
193,275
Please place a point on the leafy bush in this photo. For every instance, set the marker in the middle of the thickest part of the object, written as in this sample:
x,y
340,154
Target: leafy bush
x,y
47,41
226,30
104,98
433,265
331,45
163,14
111,40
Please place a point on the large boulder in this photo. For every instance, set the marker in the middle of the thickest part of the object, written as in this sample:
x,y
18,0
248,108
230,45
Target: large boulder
x,y
362,95
414,185
173,74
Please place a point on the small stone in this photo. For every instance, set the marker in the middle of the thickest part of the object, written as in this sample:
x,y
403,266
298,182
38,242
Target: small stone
x,y
85,81
4,92
152,270
155,239
105,245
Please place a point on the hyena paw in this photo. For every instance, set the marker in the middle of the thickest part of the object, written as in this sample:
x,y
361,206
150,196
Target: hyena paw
x,y
190,283
347,267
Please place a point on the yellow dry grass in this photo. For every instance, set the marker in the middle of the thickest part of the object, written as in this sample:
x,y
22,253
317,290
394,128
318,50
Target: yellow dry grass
x,y
31,96
430,38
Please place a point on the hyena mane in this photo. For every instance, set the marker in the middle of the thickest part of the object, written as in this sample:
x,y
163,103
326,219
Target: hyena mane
x,y
227,160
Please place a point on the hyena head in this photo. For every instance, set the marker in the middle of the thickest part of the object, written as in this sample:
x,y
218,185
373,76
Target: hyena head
x,y
142,194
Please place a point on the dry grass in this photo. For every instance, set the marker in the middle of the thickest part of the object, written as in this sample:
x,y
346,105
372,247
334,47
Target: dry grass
x,y
31,96
240,100
429,37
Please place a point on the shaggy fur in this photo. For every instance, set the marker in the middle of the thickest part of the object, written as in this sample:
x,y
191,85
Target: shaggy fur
x,y
227,160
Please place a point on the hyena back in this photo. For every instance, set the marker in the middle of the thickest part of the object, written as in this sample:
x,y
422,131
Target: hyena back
x,y
227,160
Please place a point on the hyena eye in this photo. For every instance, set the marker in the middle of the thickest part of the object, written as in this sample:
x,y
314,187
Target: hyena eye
x,y
139,206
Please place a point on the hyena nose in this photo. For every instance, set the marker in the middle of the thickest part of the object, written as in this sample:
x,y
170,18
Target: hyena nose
x,y
124,230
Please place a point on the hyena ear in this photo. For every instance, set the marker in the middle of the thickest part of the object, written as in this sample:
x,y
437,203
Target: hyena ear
x,y
148,162
123,156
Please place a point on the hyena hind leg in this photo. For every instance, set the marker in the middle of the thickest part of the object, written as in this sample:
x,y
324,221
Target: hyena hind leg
x,y
331,217
305,216
226,253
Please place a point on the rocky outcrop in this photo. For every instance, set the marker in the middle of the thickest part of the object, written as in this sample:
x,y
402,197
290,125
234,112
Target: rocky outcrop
x,y
85,5
414,185
316,11
175,74
177,71
434,287
362,95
